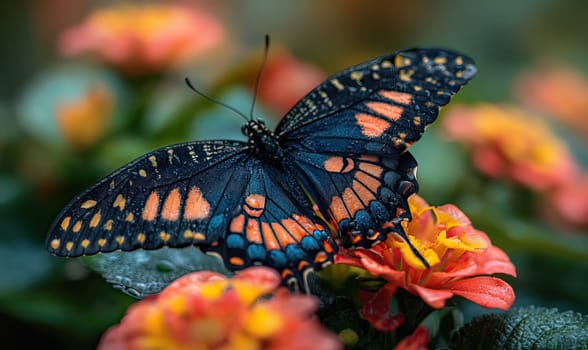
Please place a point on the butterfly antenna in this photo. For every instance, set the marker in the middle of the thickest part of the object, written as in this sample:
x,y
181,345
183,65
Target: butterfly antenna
x,y
258,80
189,83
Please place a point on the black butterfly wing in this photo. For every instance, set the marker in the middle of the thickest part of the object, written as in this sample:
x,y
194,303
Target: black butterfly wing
x,y
215,195
349,137
377,107
175,196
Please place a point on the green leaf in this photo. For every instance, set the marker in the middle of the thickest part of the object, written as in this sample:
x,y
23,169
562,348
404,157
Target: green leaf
x,y
525,328
143,272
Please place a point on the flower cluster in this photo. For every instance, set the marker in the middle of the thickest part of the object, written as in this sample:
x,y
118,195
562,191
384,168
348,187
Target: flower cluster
x,y
206,310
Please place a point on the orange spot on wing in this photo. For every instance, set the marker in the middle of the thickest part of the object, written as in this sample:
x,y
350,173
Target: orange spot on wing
x,y
151,207
371,126
197,208
328,247
269,239
364,194
85,243
371,169
294,228
130,217
69,246
238,224
321,257
306,223
108,225
141,238
337,165
282,234
398,97
338,209
352,202
235,260
253,232
101,242
254,205
387,110
171,206
120,240
368,181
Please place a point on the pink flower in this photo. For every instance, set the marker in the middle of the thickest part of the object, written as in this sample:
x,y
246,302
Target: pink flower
x,y
460,259
206,310
568,204
144,38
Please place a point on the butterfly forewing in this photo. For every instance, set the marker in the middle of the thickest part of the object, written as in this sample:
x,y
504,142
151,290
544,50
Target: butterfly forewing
x,y
377,107
175,196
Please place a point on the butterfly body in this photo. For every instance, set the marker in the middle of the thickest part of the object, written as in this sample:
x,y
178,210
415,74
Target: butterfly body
x,y
335,171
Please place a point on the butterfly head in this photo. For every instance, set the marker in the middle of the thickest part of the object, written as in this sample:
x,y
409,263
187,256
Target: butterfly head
x,y
263,140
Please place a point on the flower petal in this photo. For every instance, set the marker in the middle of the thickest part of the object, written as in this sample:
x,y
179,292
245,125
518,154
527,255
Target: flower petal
x,y
489,292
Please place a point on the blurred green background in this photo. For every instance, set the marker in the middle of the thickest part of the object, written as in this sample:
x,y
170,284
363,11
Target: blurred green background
x,y
69,119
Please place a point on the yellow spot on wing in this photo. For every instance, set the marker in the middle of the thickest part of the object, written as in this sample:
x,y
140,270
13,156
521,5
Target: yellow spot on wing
x,y
120,240
153,161
130,217
69,246
164,236
85,243
440,60
55,243
77,227
95,219
141,238
101,242
405,75
337,84
119,202
65,223
401,61
108,225
88,204
142,173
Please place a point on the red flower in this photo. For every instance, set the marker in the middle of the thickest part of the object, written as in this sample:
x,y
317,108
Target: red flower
x,y
460,257
206,310
143,38
508,143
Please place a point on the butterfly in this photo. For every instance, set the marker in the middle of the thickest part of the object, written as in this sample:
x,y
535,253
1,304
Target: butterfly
x,y
335,171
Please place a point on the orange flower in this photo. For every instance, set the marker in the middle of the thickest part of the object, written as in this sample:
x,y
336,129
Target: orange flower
x,y
84,122
558,91
286,80
206,310
459,255
506,142
143,38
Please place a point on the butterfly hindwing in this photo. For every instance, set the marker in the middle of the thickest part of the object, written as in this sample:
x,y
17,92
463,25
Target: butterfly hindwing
x,y
365,196
274,225
175,196
377,107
